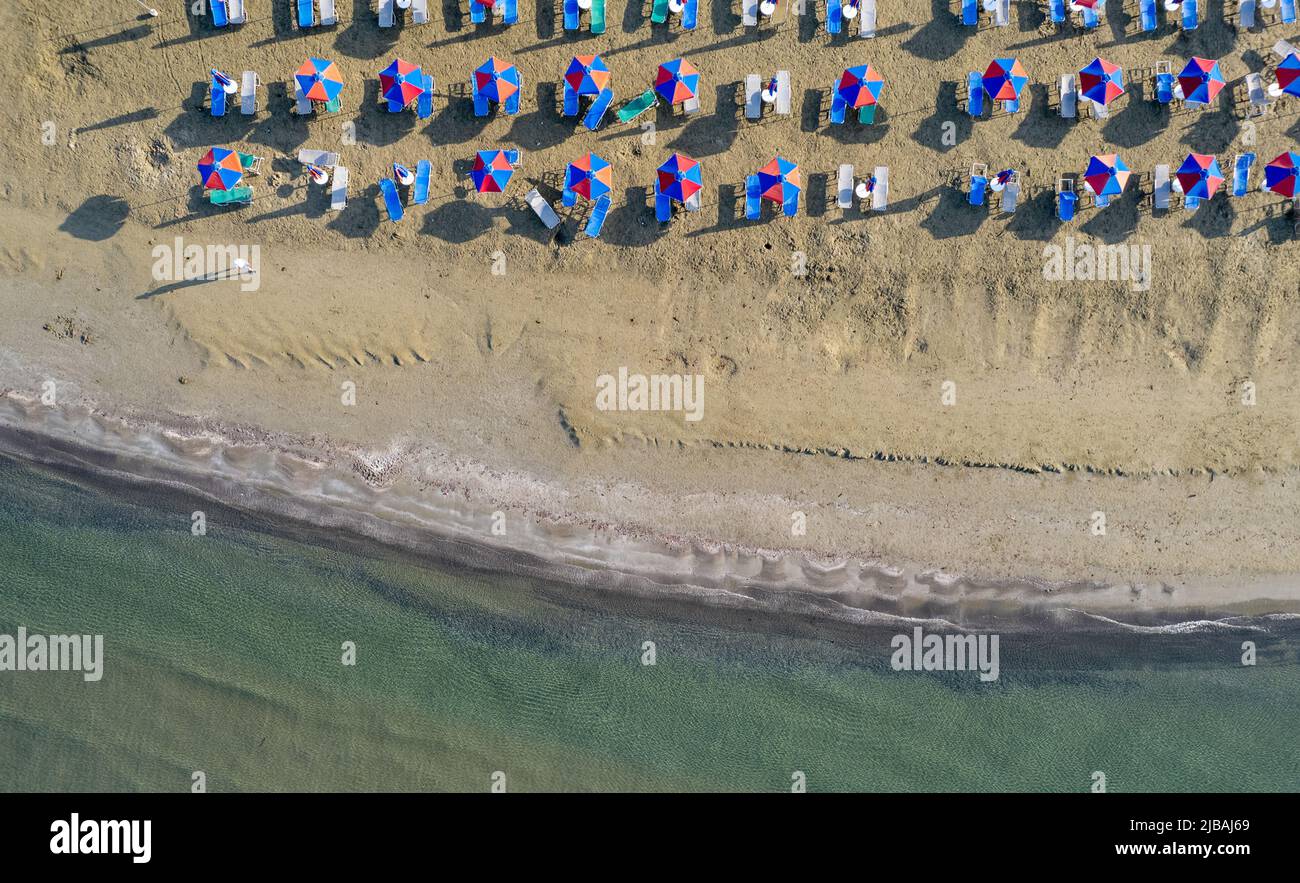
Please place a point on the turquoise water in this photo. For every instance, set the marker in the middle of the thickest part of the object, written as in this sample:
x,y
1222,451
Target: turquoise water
x,y
223,654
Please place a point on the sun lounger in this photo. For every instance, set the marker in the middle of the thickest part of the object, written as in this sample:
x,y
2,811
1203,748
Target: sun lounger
x,y
570,108
867,19
219,15
1160,196
753,97
339,189
1002,13
1012,106
596,113
1282,49
1246,13
970,12
514,156
327,16
690,13
783,93
248,93
1066,200
1069,97
659,12
392,201
480,101
1164,88
637,106
235,12
693,202
217,96
1090,18
979,188
306,14
834,17
597,219
237,196
386,13
510,11
310,157
1241,173
867,114
302,104
692,104
542,209
1192,14
1056,11
880,195
974,95
252,165
1099,110
1258,97
1010,194
424,104
512,103
1148,14
572,15
568,197
1288,11
477,12
419,12
753,199
420,190
663,207
597,24
844,187
838,106
790,207
749,13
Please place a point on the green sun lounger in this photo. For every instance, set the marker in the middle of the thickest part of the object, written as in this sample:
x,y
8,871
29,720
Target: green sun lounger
x,y
867,114
637,106
250,163
238,196
334,105
598,16
659,12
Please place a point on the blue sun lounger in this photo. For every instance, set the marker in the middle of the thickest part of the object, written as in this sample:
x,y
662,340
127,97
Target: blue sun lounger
x,y
392,201
477,12
572,15
596,113
663,206
753,199
970,12
1288,12
570,101
597,219
979,188
838,106
1191,14
424,104
219,17
1090,18
512,103
1056,11
791,205
1164,88
480,101
1066,202
218,94
690,13
510,12
1012,106
1147,14
567,196
306,14
834,17
420,192
1241,174
974,94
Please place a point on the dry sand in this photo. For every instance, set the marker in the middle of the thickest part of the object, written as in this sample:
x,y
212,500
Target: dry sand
x,y
822,391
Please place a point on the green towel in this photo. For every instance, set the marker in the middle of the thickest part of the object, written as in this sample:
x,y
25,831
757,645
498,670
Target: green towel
x,y
867,114
637,106
659,14
231,197
598,16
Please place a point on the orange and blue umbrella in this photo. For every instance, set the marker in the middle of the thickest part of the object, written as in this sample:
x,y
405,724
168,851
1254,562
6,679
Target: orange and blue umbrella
x,y
1200,175
679,177
1106,175
779,180
220,169
1005,79
319,79
401,81
491,171
861,85
1101,81
677,81
1288,74
497,80
590,177
1201,81
587,74
1280,174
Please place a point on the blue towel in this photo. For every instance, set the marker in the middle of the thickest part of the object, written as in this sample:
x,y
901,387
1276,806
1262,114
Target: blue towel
x,y
392,201
597,219
753,199
596,112
420,193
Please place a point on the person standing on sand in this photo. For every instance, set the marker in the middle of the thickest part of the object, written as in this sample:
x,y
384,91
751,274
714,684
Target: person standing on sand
x,y
241,267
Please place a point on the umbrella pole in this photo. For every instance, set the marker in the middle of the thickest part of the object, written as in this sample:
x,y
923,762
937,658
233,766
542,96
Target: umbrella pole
x,y
153,13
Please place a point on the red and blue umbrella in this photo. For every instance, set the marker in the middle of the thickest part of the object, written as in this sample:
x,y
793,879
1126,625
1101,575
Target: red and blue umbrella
x,y
1106,175
1005,79
1101,81
1288,74
1280,174
491,171
319,79
679,178
220,169
497,80
587,74
401,81
1199,175
590,177
861,86
1201,81
677,81
779,180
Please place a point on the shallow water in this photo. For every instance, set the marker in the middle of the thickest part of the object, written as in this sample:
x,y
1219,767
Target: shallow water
x,y
223,654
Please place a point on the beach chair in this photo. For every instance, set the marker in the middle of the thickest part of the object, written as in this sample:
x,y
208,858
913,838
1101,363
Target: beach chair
x,y
1069,97
235,12
309,157
1160,195
690,13
252,165
1010,195
1066,199
867,19
219,16
1258,97
663,206
420,190
1099,110
838,106
1164,84
979,184
1090,18
974,95
844,187
1241,173
477,12
1246,14
659,11
424,104
572,15
217,97
386,13
691,105
694,203
568,196
597,25
392,201
480,100
1288,11
753,97
834,17
542,209
302,105
783,93
570,108
970,13
306,14
597,219
1148,15
596,113
1192,14
749,13
327,16
867,114
510,12
637,106
790,206
511,106
237,196
880,195
753,199
248,93
1056,11
419,12
1002,13
339,189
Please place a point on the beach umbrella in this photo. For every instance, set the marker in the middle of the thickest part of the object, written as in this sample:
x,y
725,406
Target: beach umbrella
x,y
497,80
860,86
679,177
220,169
1101,81
319,79
1106,175
587,74
401,81
1086,4
677,81
1288,74
779,180
1005,79
1201,81
491,171
590,177
1199,175
1280,174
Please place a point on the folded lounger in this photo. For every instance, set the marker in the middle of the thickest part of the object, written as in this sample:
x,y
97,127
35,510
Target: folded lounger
x,y
1069,97
248,93
753,97
596,113
542,209
339,189
392,202
880,195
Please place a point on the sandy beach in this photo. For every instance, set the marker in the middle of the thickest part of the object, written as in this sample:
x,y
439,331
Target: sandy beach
x,y
948,420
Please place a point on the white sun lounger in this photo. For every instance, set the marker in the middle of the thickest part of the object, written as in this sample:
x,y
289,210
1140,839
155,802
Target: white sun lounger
x,y
880,195
1069,97
1282,49
542,209
309,157
1099,110
248,93
235,13
753,97
1160,198
1002,13
693,203
1258,97
1010,194
419,12
1246,10
867,19
783,93
844,187
692,104
327,16
339,189
749,13
303,104
386,13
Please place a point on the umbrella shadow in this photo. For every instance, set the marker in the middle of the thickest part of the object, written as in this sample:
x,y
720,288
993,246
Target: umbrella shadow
x,y
361,38
725,18
1117,221
634,16
97,219
1046,130
1035,220
941,37
459,220
953,215
382,127
360,218
1210,131
1213,218
631,222
946,111
707,135
539,127
1133,125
